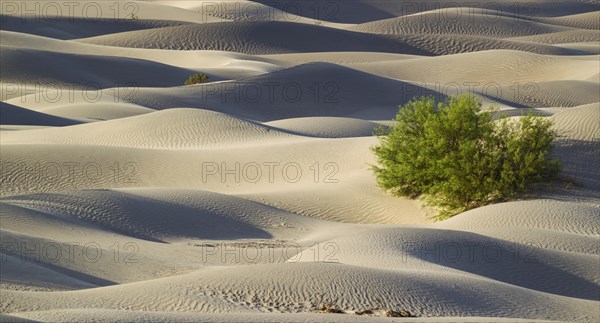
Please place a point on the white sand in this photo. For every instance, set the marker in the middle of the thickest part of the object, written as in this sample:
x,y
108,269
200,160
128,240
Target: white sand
x,y
141,199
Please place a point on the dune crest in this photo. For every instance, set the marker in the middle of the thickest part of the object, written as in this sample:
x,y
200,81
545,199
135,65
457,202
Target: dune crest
x,y
127,195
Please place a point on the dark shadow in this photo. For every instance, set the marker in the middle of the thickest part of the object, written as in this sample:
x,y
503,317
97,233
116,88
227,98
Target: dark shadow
x,y
66,28
15,115
517,264
149,219
307,90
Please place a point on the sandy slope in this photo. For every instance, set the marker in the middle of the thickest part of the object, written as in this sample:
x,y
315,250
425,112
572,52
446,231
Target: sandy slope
x,y
325,127
453,21
360,11
579,144
96,112
62,28
115,315
186,59
315,177
272,38
251,198
587,20
55,12
313,89
248,10
569,36
487,67
24,65
172,129
14,115
254,38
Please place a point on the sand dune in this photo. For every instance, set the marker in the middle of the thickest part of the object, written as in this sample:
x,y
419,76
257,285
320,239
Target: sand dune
x,y
386,248
201,60
142,253
115,315
579,123
193,214
42,67
248,10
542,214
324,127
55,11
340,58
251,198
14,115
587,48
230,292
569,36
30,276
62,28
343,169
318,89
551,93
314,89
578,144
255,38
453,21
260,38
454,44
171,129
485,68
361,11
95,112
587,20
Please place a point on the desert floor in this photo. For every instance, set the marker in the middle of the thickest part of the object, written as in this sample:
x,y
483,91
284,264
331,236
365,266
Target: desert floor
x,y
128,196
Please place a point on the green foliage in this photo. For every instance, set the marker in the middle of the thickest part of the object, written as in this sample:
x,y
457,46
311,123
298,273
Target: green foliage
x,y
456,157
196,79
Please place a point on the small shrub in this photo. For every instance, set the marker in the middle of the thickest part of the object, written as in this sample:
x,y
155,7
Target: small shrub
x,y
400,313
458,158
330,308
365,312
196,79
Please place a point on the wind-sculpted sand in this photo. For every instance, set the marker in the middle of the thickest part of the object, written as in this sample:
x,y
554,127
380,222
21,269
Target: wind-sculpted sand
x,y
127,196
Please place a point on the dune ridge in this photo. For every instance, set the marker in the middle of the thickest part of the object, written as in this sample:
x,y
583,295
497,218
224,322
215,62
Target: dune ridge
x,y
251,197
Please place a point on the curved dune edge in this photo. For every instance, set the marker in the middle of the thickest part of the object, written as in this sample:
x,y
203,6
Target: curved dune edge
x,y
455,21
113,315
15,115
382,249
165,202
171,129
259,38
235,292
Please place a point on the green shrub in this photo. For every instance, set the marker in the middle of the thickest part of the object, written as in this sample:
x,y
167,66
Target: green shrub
x,y
196,79
456,157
